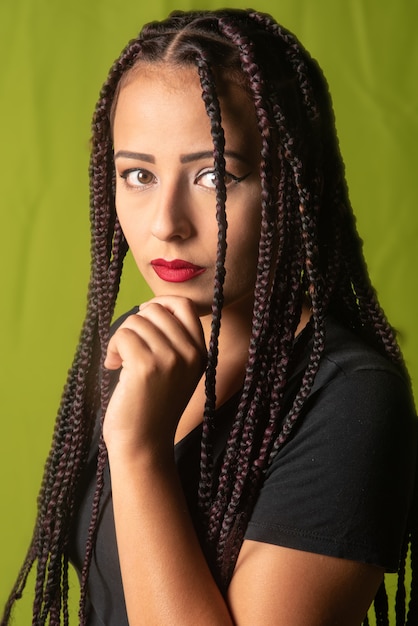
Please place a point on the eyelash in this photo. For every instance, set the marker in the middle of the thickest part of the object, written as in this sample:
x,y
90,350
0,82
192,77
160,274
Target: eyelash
x,y
126,173
234,179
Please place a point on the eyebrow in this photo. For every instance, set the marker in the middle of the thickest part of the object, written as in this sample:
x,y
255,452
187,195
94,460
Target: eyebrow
x,y
196,156
140,156
184,158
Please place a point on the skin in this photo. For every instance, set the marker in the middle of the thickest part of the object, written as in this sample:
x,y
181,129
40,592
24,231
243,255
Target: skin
x,y
166,207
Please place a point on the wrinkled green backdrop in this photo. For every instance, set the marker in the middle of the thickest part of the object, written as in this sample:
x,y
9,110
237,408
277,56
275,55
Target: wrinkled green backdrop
x,y
54,58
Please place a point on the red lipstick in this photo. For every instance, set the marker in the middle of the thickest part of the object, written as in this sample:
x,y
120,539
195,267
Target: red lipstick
x,y
176,271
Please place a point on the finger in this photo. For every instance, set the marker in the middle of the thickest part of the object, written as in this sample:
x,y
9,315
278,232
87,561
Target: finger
x,y
170,332
125,344
157,334
184,310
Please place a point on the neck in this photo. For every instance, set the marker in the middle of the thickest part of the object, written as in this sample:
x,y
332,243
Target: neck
x,y
236,325
234,340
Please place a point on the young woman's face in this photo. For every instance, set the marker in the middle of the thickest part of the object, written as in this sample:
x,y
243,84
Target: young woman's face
x,y
165,195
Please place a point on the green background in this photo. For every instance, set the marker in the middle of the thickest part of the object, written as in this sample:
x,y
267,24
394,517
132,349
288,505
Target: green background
x,y
54,58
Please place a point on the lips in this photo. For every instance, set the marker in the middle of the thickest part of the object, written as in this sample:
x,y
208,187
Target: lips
x,y
176,271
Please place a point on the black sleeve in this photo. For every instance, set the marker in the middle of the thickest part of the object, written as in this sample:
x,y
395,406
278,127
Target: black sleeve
x,y
342,485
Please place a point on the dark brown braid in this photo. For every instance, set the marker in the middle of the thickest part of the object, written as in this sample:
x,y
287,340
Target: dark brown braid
x,y
214,113
309,248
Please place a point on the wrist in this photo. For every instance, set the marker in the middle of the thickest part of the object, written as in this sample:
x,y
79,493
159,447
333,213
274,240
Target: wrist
x,y
143,456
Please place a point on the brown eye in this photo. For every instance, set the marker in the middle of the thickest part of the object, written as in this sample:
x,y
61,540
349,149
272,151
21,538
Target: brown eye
x,y
137,178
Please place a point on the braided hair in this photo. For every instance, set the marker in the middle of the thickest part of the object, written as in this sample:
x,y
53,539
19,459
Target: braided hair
x,y
309,247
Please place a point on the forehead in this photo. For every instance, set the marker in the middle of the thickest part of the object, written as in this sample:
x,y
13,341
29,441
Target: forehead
x,y
178,89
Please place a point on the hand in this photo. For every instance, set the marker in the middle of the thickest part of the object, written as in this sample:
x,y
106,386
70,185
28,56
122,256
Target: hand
x,y
162,353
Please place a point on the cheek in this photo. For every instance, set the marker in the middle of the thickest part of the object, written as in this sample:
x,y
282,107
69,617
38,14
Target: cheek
x,y
121,214
129,217
242,250
247,228
133,229
126,228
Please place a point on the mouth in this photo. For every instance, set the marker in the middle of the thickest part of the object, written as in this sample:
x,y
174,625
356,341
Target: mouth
x,y
176,271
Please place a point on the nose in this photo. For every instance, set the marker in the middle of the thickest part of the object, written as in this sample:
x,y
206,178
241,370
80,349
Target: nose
x,y
172,218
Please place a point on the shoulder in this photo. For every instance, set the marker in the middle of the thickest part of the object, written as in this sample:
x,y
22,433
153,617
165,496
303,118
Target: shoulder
x,y
357,388
342,484
346,354
358,393
360,406
360,398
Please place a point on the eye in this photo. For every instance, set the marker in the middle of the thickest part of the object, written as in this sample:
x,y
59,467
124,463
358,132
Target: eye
x,y
137,178
206,178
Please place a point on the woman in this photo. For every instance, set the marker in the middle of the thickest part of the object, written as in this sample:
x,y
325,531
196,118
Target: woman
x,y
241,448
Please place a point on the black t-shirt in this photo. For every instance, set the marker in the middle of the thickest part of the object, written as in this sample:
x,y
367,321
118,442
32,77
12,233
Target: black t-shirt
x,y
341,486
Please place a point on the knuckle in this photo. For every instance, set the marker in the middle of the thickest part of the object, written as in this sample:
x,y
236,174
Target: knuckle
x,y
172,359
124,334
196,358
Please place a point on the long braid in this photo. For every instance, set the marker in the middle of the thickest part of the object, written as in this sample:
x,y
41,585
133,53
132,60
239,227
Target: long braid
x,y
308,246
412,542
400,604
214,113
50,524
242,467
237,436
374,317
64,465
381,607
110,250
369,308
72,434
357,270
